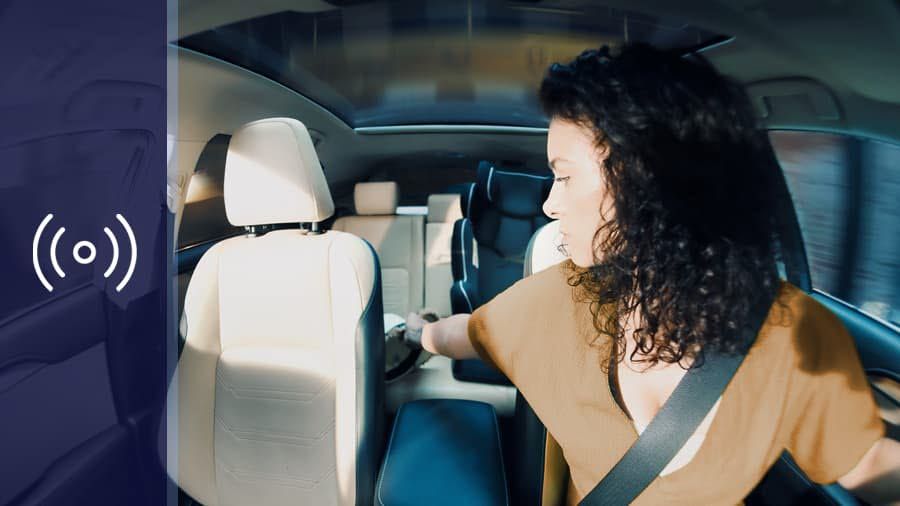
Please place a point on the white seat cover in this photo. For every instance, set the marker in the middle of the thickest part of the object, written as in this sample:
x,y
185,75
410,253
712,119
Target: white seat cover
x,y
397,239
443,211
543,249
280,383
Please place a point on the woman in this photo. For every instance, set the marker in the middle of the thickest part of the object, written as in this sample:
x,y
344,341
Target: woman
x,y
663,189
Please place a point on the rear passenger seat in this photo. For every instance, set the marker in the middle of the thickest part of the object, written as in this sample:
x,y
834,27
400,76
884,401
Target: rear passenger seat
x,y
398,241
434,379
443,211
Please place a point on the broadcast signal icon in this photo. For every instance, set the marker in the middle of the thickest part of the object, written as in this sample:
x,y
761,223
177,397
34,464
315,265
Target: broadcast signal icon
x,y
84,252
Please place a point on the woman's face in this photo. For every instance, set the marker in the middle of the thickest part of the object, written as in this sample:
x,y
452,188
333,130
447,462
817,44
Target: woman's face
x,y
578,191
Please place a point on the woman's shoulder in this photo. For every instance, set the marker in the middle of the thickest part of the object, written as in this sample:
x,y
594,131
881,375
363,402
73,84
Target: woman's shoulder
x,y
815,337
533,295
548,284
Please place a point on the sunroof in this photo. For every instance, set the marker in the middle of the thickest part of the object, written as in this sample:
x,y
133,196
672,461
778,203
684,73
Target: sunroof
x,y
432,62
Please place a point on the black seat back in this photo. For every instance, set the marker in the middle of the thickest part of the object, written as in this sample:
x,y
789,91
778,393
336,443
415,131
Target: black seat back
x,y
501,212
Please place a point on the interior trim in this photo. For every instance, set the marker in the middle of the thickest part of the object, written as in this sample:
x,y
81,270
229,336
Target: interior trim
x,y
29,336
454,129
887,396
890,325
887,387
824,105
370,388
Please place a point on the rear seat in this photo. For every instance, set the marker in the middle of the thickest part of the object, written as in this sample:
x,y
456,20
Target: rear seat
x,y
443,210
397,239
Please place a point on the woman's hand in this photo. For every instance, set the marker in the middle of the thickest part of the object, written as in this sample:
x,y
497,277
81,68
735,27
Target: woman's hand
x,y
446,337
415,324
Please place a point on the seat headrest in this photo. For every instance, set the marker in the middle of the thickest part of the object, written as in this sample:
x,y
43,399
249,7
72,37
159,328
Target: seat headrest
x,y
512,193
505,209
444,208
273,175
375,198
544,249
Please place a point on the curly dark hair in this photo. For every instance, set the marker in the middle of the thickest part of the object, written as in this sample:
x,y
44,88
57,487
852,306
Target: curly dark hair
x,y
692,242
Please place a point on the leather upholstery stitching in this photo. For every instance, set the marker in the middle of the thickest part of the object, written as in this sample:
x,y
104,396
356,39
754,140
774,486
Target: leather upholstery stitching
x,y
257,476
257,392
272,436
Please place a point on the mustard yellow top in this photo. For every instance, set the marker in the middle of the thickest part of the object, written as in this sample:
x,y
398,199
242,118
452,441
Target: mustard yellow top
x,y
801,388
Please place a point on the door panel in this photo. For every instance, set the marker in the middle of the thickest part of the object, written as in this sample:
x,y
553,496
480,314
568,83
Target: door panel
x,y
69,375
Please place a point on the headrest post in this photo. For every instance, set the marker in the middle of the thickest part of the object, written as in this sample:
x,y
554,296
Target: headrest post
x,y
256,230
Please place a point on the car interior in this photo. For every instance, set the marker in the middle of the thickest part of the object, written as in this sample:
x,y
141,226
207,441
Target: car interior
x,y
444,177
338,164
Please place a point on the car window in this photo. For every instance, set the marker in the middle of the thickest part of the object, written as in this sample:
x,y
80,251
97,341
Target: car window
x,y
204,216
845,192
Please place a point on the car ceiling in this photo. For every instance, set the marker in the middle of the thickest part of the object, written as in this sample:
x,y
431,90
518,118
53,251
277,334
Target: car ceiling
x,y
855,43
850,47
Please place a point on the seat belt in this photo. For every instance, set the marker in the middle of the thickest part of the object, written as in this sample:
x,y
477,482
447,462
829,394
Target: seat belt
x,y
693,398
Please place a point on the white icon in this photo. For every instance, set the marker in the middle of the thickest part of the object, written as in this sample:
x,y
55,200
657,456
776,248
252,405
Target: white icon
x,y
91,249
84,252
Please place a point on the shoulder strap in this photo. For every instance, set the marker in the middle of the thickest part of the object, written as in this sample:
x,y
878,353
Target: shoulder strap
x,y
676,421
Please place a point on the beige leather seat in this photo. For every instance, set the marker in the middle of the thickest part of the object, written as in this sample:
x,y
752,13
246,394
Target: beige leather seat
x,y
443,211
281,382
542,253
398,240
543,249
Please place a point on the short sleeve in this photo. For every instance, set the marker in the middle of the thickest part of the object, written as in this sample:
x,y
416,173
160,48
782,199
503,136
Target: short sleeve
x,y
831,418
495,328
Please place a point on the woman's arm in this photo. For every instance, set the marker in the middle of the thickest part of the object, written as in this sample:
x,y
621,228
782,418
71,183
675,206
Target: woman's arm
x,y
876,478
449,337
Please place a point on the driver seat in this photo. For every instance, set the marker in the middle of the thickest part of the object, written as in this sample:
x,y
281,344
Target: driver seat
x,y
280,386
541,474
